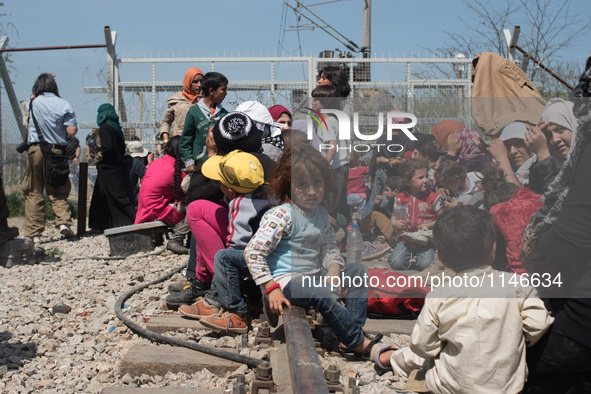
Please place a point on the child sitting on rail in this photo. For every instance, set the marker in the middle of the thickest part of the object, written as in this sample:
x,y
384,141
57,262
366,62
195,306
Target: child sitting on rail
x,y
471,336
294,257
240,174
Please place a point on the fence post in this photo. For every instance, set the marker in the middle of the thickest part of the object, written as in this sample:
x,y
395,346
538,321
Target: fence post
x,y
351,79
154,98
110,38
10,91
410,101
82,192
272,83
311,75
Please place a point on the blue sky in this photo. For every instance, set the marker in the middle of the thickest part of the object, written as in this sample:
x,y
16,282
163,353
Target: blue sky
x,y
225,27
200,27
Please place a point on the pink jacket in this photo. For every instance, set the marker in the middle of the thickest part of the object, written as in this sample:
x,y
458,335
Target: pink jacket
x,y
156,194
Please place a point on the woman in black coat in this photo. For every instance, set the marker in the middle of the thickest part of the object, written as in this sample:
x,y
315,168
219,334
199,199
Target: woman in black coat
x,y
110,205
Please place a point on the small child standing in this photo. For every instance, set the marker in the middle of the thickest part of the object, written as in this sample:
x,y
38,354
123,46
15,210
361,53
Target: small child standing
x,y
418,199
380,219
356,194
467,339
294,257
429,153
334,149
201,117
384,202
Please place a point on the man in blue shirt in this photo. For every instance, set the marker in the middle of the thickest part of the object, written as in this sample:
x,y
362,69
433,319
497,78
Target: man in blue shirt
x,y
56,119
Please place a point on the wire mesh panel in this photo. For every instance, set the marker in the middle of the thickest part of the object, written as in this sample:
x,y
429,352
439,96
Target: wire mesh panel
x,y
77,69
433,89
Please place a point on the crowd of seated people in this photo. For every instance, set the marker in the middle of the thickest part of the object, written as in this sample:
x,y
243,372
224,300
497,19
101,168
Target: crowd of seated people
x,y
259,207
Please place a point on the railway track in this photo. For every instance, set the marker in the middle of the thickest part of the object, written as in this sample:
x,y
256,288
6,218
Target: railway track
x,y
288,357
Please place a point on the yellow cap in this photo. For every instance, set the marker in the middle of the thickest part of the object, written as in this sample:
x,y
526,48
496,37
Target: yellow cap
x,y
238,170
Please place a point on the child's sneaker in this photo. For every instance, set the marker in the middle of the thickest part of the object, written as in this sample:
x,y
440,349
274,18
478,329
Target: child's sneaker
x,y
378,349
227,322
427,234
374,251
415,237
199,309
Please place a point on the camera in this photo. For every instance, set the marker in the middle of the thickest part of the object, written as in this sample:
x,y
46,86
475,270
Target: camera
x,y
22,147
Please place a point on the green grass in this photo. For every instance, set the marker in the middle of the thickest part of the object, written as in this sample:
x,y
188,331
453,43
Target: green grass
x,y
16,206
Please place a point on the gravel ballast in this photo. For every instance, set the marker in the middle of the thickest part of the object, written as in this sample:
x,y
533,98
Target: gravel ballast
x,y
81,351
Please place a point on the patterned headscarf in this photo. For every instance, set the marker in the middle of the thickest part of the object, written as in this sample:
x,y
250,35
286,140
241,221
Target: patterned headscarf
x,y
468,150
107,114
187,81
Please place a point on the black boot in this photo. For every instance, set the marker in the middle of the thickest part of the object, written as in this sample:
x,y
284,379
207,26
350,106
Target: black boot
x,y
177,247
188,295
7,233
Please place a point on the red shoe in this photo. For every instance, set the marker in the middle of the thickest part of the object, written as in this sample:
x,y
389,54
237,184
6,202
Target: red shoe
x,y
199,309
227,322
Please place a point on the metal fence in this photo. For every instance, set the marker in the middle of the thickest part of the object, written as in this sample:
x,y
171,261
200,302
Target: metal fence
x,y
432,88
417,85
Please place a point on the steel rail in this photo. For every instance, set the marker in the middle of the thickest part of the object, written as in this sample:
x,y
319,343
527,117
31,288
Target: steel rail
x,y
306,371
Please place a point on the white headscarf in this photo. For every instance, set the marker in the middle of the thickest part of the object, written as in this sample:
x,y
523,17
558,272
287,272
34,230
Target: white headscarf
x,y
560,112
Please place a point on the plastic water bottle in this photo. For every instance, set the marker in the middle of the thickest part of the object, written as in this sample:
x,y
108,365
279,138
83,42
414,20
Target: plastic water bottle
x,y
354,245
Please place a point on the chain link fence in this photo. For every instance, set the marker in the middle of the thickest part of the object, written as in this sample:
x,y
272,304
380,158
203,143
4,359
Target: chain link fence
x,y
77,69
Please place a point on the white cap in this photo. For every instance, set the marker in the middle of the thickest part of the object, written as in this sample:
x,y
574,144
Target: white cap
x,y
260,115
513,130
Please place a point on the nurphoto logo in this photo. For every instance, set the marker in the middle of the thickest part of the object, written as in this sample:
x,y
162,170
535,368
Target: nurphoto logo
x,y
395,122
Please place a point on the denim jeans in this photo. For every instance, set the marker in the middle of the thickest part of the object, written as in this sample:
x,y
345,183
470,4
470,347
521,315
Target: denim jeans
x,y
229,270
379,183
355,200
346,320
400,257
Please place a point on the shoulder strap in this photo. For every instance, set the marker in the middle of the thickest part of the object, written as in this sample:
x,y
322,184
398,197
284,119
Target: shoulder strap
x,y
39,131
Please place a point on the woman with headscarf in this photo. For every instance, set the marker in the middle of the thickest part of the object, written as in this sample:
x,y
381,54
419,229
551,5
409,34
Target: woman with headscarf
x,y
551,141
110,205
558,240
281,115
459,144
179,104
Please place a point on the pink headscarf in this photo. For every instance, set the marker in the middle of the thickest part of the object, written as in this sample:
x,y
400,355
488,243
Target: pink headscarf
x,y
468,150
278,110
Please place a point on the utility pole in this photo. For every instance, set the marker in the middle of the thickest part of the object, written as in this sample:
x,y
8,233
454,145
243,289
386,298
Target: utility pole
x,y
366,28
366,74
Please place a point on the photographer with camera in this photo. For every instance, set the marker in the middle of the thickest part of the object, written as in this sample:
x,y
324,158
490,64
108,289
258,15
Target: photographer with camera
x,y
52,119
